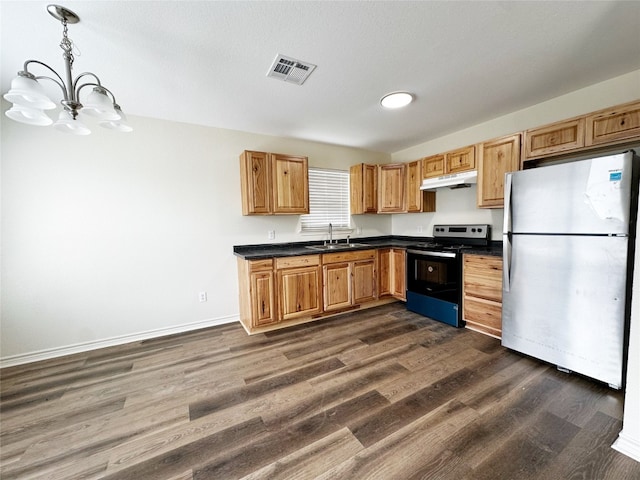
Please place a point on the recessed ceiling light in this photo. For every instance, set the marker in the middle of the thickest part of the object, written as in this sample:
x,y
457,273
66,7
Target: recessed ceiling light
x,y
396,100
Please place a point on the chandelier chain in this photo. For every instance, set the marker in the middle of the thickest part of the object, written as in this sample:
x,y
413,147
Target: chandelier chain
x,y
66,44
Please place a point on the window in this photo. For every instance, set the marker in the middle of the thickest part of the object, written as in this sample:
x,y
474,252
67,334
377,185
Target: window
x,y
328,200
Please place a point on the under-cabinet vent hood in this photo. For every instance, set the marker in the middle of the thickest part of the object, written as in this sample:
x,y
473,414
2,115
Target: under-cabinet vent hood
x,y
290,70
454,180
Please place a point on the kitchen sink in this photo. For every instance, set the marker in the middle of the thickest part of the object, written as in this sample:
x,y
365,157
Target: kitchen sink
x,y
336,246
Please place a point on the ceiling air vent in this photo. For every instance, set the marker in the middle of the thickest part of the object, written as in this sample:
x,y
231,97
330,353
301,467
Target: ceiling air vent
x,y
290,70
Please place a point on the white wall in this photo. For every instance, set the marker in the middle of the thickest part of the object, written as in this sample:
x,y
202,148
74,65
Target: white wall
x,y
111,235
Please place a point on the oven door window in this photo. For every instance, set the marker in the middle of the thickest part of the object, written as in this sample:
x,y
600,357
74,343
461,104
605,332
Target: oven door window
x,y
434,276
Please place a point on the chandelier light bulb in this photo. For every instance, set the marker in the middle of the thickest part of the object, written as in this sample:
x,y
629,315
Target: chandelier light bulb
x,y
67,124
30,116
26,91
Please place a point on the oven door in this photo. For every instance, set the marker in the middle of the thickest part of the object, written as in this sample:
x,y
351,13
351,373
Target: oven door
x,y
434,285
435,274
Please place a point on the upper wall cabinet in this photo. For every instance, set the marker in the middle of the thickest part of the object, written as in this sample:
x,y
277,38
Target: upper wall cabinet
x,y
274,183
495,158
555,138
418,200
290,181
456,161
460,160
391,188
613,124
363,188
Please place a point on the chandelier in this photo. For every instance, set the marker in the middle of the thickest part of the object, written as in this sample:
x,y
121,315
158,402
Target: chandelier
x,y
30,100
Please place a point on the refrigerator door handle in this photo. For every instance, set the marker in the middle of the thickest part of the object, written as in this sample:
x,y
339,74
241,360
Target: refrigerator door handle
x,y
507,203
506,263
506,240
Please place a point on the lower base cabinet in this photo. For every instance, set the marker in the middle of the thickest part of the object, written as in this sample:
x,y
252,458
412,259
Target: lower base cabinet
x,y
482,293
392,275
299,286
349,278
257,293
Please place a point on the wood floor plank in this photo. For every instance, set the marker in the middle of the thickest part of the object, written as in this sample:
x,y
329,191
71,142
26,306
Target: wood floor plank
x,y
379,394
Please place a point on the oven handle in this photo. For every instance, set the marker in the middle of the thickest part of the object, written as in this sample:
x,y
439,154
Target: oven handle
x,y
424,253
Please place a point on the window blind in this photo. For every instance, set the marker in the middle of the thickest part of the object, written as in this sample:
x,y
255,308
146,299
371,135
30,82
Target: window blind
x,y
328,200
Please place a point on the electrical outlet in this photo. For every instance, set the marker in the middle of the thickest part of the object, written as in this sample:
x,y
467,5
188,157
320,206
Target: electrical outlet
x,y
419,227
272,234
202,296
359,230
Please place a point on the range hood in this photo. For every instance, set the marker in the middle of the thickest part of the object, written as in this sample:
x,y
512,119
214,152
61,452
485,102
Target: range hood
x,y
454,180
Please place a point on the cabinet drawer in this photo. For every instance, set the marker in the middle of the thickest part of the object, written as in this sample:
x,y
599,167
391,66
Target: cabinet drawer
x,y
348,256
259,265
483,312
483,277
301,261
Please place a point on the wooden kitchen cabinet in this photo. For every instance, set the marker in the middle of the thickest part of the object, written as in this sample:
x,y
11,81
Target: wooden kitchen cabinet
x,y
273,183
349,278
391,188
495,158
556,138
482,293
257,293
433,166
418,200
399,275
392,273
384,272
290,181
363,188
460,160
255,174
613,125
299,286
455,161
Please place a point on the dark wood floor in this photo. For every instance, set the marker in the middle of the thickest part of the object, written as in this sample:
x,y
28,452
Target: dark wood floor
x,y
378,394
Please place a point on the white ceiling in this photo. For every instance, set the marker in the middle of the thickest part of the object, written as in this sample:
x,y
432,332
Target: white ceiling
x,y
205,62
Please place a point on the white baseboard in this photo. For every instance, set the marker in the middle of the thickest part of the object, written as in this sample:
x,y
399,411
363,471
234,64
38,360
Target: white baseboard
x,y
627,445
47,354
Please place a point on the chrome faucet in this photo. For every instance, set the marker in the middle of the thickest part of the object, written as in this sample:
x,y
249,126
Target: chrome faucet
x,y
330,234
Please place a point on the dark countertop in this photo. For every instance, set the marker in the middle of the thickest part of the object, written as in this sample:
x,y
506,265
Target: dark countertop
x,y
272,250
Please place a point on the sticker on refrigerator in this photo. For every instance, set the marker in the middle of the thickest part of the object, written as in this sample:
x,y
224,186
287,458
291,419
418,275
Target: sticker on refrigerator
x,y
603,190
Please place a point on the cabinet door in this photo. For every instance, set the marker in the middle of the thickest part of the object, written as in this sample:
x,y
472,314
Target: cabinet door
x,y
433,166
290,184
262,299
299,292
363,183
556,138
255,175
384,272
418,200
613,124
337,286
496,158
391,188
364,281
460,160
398,262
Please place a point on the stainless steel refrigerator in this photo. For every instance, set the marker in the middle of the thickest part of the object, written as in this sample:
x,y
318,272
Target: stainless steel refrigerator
x,y
567,265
